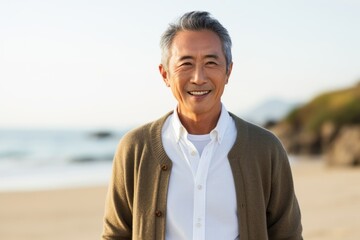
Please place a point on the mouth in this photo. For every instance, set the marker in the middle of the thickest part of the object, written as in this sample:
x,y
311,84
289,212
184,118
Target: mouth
x,y
199,93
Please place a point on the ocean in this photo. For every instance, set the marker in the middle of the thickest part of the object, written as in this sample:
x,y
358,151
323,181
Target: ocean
x,y
48,159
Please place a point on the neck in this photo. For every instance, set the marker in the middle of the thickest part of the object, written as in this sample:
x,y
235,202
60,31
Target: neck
x,y
199,124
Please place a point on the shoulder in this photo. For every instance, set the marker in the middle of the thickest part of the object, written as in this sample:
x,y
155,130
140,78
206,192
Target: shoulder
x,y
253,133
144,134
139,144
258,149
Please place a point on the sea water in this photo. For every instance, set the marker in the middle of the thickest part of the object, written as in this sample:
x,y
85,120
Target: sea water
x,y
47,159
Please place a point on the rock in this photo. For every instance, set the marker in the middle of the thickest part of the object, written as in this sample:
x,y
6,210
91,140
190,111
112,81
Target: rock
x,y
345,149
308,143
102,134
270,123
297,141
328,133
340,145
285,133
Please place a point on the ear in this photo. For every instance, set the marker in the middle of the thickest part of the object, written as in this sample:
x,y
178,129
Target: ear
x,y
229,72
164,75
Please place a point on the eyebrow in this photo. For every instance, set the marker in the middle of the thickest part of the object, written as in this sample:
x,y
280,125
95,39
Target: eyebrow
x,y
186,57
212,56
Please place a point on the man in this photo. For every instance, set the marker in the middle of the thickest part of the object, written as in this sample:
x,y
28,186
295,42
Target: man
x,y
200,172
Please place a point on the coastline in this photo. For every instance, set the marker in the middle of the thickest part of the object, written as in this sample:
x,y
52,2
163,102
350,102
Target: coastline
x,y
329,199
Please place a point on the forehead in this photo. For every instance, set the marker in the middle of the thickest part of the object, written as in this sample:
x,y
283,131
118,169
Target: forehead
x,y
195,43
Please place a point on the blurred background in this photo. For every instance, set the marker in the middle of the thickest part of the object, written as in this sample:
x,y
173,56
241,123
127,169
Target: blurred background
x,y
76,75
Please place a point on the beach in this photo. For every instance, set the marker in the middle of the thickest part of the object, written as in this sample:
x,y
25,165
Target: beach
x,y
61,214
329,199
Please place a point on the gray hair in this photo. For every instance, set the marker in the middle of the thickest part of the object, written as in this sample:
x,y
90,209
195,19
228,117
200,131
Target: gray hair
x,y
195,21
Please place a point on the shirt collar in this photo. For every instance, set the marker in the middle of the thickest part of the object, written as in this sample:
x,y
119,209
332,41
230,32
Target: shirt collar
x,y
179,129
217,133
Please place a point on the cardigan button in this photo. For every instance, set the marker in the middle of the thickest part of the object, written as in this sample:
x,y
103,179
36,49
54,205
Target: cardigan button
x,y
158,213
164,167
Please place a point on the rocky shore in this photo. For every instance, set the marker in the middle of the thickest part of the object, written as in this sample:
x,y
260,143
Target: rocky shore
x,y
329,125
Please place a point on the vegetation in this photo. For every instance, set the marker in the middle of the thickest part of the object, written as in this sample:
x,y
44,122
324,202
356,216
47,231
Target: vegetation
x,y
338,107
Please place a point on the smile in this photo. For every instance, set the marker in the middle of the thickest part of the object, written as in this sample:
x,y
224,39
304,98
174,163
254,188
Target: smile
x,y
199,93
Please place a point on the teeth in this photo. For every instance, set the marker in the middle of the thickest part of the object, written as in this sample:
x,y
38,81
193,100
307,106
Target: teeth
x,y
199,93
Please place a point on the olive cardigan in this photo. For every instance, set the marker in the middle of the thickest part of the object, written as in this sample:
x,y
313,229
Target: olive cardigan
x,y
136,202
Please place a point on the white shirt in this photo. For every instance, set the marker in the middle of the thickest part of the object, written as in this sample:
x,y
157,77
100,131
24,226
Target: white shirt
x,y
201,201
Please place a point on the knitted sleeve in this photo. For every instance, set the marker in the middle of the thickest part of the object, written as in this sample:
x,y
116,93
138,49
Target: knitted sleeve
x,y
119,200
283,212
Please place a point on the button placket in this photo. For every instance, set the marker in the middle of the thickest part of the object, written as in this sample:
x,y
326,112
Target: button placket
x,y
200,191
200,167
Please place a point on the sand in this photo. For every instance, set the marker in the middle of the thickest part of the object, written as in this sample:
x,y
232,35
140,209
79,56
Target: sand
x,y
72,214
329,200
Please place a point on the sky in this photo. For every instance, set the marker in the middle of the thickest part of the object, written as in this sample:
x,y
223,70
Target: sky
x,y
94,64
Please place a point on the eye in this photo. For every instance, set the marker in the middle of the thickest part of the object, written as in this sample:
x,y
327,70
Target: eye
x,y
186,64
211,63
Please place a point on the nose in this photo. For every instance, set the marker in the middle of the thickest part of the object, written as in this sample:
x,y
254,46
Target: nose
x,y
199,76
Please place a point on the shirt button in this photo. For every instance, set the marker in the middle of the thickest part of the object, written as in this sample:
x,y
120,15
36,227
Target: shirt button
x,y
198,225
193,153
199,187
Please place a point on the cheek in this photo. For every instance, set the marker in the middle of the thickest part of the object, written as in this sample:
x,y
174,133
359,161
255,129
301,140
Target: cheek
x,y
220,86
183,76
176,88
178,82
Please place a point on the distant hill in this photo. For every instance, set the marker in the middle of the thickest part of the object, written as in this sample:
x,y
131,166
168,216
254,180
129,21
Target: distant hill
x,y
330,124
340,107
270,110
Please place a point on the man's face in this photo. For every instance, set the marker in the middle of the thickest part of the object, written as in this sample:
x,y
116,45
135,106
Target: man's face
x,y
196,72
